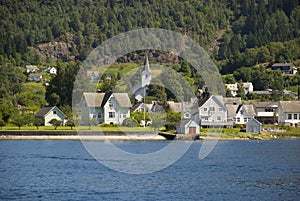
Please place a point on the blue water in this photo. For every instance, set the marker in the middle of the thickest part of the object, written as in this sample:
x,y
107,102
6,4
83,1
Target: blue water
x,y
235,170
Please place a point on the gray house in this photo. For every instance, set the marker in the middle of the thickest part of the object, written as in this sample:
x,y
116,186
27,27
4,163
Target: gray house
x,y
187,126
49,113
253,126
109,108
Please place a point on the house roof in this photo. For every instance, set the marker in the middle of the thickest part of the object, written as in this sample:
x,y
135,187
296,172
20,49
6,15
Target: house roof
x,y
290,106
122,99
35,75
45,110
176,107
93,99
253,120
249,109
264,104
282,64
235,101
231,109
183,122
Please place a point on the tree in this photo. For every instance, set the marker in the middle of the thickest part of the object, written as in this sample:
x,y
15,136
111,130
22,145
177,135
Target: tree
x,y
55,123
140,117
158,119
70,123
38,121
129,122
241,90
2,122
19,120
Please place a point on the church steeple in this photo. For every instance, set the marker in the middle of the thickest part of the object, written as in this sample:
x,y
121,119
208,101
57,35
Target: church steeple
x,y
146,65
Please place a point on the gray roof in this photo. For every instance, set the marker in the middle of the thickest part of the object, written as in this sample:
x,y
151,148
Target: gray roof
x,y
177,107
45,110
290,106
122,99
264,104
98,99
231,109
249,109
93,99
236,101
282,64
183,122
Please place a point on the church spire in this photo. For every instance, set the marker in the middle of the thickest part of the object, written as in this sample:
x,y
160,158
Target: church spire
x,y
146,64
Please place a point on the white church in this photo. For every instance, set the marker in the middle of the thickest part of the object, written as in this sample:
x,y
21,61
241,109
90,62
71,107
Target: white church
x,y
140,90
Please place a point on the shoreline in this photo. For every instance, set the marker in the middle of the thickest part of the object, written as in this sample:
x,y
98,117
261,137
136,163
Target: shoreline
x,y
114,136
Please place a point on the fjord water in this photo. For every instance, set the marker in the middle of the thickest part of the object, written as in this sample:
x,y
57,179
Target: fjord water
x,y
235,170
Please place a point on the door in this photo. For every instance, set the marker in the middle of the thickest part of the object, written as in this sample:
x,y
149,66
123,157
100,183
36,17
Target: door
x,y
192,130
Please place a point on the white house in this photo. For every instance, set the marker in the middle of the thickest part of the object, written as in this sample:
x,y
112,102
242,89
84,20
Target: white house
x,y
289,113
108,108
31,69
248,88
233,88
211,111
187,126
49,113
52,70
244,114
253,126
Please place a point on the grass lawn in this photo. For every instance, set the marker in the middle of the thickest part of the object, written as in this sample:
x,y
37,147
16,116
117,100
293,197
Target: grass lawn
x,y
81,128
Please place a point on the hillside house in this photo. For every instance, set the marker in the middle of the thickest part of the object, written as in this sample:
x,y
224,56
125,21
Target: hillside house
x,y
31,69
49,113
289,113
285,68
233,88
35,77
108,108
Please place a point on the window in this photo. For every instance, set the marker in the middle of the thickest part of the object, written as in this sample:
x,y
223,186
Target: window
x,y
238,119
94,115
54,111
220,109
111,115
289,116
295,116
124,115
212,109
245,119
205,118
205,109
110,103
99,116
219,118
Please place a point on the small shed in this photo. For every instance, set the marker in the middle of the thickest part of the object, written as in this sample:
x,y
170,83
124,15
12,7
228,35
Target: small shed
x,y
253,126
49,113
187,126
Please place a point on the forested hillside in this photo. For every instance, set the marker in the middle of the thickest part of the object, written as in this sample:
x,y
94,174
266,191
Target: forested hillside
x,y
238,34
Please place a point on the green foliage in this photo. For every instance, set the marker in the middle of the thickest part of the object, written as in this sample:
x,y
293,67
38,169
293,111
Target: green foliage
x,y
59,91
38,121
70,123
140,116
172,120
55,123
129,122
20,120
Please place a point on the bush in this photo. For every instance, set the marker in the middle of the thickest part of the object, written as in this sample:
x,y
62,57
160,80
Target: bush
x,y
108,125
130,122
